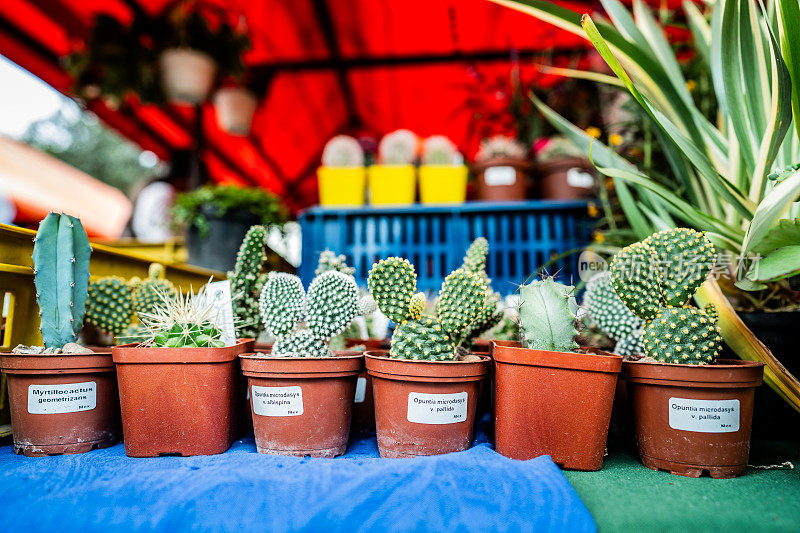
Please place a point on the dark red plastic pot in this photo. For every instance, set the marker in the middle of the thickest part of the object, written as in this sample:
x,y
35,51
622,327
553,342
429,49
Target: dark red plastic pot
x,y
178,401
692,419
553,403
508,183
424,407
556,182
62,404
302,405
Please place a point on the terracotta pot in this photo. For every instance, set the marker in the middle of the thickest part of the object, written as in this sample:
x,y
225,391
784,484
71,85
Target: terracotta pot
x,y
302,405
187,75
501,179
178,401
62,404
566,178
554,403
364,404
235,107
424,407
690,419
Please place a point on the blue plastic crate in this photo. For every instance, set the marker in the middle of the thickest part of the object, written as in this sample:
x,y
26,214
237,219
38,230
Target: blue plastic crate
x,y
523,236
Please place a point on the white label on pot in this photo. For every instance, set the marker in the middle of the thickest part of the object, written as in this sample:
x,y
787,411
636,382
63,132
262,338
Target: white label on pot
x,y
577,177
67,398
361,390
500,176
704,416
277,401
219,294
437,408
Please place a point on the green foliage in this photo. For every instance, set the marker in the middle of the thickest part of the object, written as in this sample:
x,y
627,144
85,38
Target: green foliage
x,y
547,315
146,294
61,275
282,303
392,283
190,208
684,335
422,339
329,260
183,335
109,306
247,281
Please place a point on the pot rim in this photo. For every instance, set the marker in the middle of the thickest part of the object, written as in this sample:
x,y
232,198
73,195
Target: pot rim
x,y
19,363
512,353
343,363
518,164
379,365
723,373
133,353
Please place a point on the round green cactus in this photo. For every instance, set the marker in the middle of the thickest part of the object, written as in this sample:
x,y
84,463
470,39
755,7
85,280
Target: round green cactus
x,y
547,315
607,310
392,283
146,294
461,298
635,280
682,335
301,343
282,303
422,339
189,335
684,257
108,305
332,304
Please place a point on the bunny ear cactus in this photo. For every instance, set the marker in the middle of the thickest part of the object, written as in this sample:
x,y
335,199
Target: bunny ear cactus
x,y
461,298
329,260
109,305
392,283
489,315
247,281
612,316
144,294
282,303
547,315
61,275
332,303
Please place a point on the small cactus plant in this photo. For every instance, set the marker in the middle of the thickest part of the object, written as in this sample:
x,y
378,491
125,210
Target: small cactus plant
x,y
182,321
439,150
500,146
398,148
343,151
329,260
329,307
612,316
247,281
547,316
655,278
61,275
392,284
490,314
145,293
110,304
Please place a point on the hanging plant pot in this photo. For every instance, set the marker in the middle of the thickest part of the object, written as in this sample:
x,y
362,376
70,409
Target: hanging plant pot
x,y
440,184
178,401
424,407
302,405
554,403
187,75
501,179
235,107
692,419
392,184
62,403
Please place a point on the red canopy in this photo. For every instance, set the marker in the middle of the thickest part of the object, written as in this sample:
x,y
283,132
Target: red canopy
x,y
329,67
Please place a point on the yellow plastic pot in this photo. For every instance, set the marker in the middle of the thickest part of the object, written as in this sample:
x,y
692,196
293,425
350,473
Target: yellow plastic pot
x,y
440,184
392,184
341,186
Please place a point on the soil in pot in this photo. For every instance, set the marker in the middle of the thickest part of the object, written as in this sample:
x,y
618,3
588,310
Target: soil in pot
x,y
554,403
62,404
178,401
217,249
692,419
567,178
501,179
302,405
424,407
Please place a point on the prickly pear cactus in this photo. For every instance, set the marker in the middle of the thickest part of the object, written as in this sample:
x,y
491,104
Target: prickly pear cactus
x,y
475,258
607,310
109,305
461,298
329,260
422,339
61,275
301,343
684,335
332,304
547,315
635,281
490,314
417,306
630,345
247,281
282,303
684,257
147,294
392,283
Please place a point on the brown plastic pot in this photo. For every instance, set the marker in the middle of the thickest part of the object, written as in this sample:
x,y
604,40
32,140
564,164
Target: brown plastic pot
x,y
556,182
62,404
364,403
424,407
690,419
554,403
178,401
302,405
500,188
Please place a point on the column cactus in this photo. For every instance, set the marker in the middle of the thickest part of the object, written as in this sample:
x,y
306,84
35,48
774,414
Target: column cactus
x,y
655,278
247,281
61,253
547,316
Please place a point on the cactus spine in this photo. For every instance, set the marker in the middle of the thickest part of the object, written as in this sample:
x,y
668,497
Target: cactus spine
x,y
439,150
247,281
109,306
145,293
61,275
547,315
329,260
655,279
612,316
489,315
398,148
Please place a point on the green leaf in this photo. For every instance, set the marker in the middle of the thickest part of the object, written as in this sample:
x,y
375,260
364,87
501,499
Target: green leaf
x,y
770,210
785,233
789,18
781,263
701,30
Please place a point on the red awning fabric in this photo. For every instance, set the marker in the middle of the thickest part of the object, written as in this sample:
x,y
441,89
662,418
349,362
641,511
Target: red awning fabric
x,y
328,67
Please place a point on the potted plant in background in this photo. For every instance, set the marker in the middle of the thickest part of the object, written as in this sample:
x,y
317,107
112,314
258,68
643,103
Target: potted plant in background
x,y
563,171
425,390
501,169
217,217
301,393
63,397
342,176
393,180
692,413
442,174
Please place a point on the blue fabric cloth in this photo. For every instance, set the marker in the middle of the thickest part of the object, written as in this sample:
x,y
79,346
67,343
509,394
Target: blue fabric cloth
x,y
241,490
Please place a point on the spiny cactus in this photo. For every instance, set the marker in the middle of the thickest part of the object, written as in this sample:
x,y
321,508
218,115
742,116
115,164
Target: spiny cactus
x,y
343,151
547,315
109,305
630,345
392,283
460,300
634,280
416,306
366,305
607,310
422,338
500,146
490,314
682,335
398,148
247,281
329,260
61,275
475,258
329,307
145,293
439,150
182,321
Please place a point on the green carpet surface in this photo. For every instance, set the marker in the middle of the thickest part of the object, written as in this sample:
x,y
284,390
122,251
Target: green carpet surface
x,y
626,496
